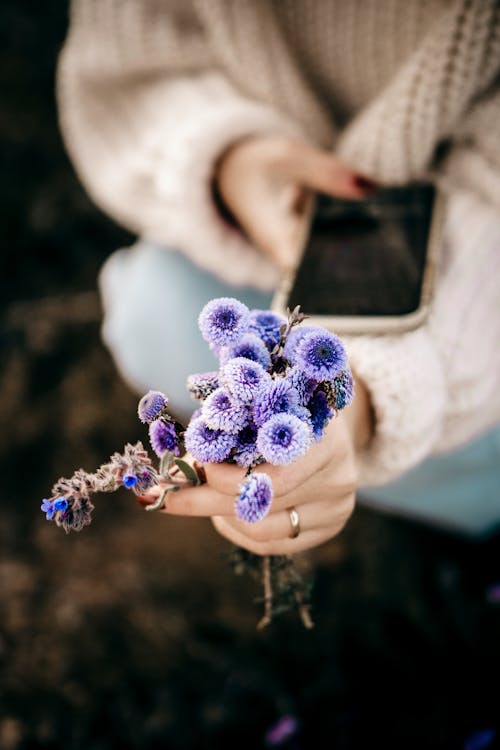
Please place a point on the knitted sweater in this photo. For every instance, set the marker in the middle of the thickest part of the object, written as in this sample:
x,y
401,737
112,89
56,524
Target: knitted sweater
x,y
152,92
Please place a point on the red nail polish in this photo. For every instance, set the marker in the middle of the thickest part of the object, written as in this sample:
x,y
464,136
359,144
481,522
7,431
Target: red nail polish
x,y
365,184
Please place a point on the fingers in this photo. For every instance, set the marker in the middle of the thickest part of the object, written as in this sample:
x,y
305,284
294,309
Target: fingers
x,y
321,171
286,546
192,501
226,479
313,516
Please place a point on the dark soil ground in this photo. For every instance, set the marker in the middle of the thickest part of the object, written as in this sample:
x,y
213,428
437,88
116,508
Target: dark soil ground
x,y
135,634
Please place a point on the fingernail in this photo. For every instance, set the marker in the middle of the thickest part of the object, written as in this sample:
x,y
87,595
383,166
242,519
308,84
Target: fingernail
x,y
365,184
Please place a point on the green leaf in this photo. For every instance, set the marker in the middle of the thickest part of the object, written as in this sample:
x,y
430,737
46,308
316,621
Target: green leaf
x,y
187,470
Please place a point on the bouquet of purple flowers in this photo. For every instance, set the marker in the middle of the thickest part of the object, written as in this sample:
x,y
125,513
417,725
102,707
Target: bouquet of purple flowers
x,y
278,385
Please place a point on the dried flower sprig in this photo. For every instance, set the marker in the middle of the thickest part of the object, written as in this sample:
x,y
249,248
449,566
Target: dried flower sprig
x,y
278,386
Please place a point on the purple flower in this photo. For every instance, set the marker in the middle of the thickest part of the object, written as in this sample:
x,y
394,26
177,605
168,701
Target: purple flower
x,y
205,444
284,729
249,347
145,479
223,321
246,451
294,338
321,413
283,438
221,413
279,397
244,379
321,355
51,507
77,516
254,500
266,325
202,384
129,481
163,437
303,385
343,388
151,405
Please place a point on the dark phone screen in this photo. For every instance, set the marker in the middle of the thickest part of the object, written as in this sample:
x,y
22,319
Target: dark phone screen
x,y
368,257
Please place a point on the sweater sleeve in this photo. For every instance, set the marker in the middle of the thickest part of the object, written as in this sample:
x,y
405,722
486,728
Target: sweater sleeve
x,y
473,161
437,387
145,114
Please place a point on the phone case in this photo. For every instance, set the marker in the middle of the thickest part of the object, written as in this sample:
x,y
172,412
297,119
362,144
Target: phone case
x,y
347,324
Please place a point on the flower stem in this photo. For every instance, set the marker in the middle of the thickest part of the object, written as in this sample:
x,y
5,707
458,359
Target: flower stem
x,y
268,593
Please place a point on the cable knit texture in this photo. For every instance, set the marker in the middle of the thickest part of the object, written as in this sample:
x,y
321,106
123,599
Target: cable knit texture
x,y
151,93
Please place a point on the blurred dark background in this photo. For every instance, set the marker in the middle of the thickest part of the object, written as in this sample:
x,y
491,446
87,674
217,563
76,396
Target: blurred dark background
x,y
136,634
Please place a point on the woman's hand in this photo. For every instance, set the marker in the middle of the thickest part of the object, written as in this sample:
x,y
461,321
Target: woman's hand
x,y
266,182
321,486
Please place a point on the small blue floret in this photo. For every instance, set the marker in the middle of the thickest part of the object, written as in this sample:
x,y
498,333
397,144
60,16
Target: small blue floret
x,y
129,481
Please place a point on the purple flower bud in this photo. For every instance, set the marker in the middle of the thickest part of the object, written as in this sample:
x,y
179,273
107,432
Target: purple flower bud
x,y
284,729
293,340
151,405
255,498
129,481
281,396
266,325
321,355
223,321
163,437
244,379
246,452
304,386
249,347
343,387
48,508
202,384
221,413
206,445
283,439
60,503
321,413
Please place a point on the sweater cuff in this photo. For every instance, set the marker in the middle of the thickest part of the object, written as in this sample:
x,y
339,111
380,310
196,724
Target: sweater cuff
x,y
406,384
183,169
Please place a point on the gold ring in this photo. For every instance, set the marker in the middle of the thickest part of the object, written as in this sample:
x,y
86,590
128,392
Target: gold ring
x,y
295,522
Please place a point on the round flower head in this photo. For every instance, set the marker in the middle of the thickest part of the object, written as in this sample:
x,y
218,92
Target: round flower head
x,y
249,347
283,438
223,321
244,379
321,413
304,386
151,405
202,384
255,498
279,397
293,339
163,437
266,325
206,445
246,452
320,355
221,413
343,388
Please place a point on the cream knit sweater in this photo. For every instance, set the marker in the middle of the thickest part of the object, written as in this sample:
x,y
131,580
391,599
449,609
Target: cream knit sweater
x,y
151,92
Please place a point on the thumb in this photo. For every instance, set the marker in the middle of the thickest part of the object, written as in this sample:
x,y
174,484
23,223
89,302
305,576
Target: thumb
x,y
325,173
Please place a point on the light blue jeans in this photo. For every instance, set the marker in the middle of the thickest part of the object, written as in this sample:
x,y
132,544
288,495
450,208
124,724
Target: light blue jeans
x,y
152,298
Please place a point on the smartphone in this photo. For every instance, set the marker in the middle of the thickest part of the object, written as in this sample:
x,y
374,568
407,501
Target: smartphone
x,y
367,266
